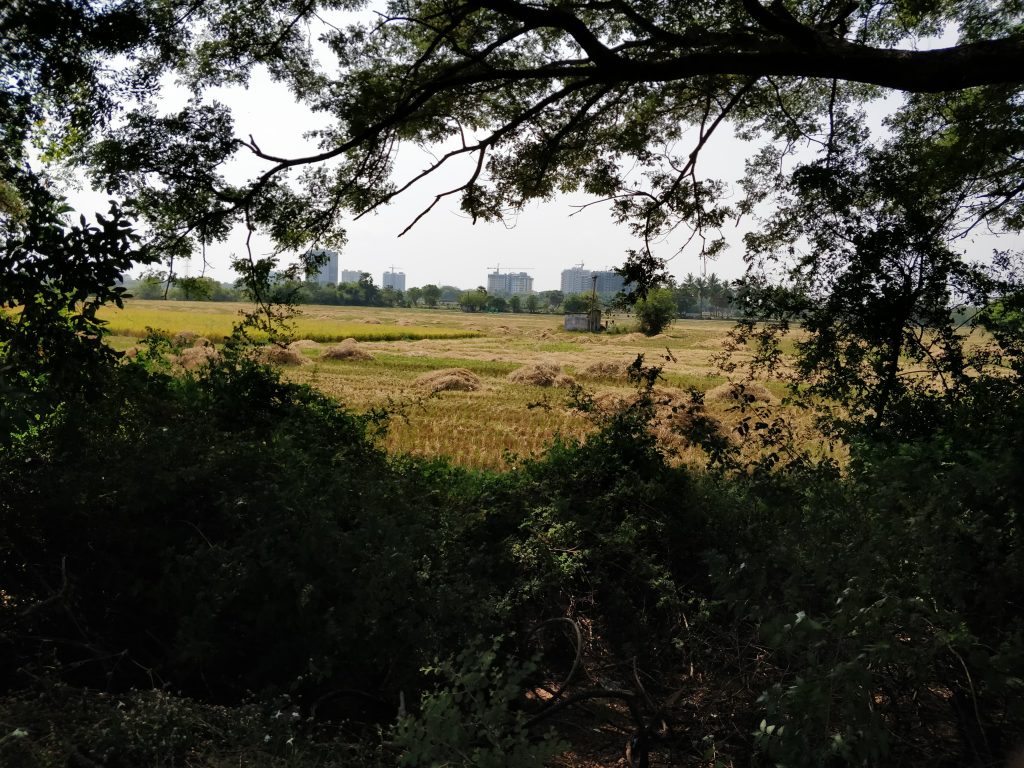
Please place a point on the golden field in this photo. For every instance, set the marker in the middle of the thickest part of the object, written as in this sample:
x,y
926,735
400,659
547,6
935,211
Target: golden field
x,y
214,321
499,419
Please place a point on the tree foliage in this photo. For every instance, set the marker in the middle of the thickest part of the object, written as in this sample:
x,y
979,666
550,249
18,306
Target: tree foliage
x,y
656,312
163,530
546,98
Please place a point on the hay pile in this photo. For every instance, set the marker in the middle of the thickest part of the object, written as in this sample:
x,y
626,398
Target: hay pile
x,y
184,338
449,380
610,402
276,355
750,391
677,416
605,369
541,375
195,357
302,344
347,350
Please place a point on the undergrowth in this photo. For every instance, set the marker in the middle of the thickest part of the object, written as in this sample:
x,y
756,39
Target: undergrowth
x,y
225,566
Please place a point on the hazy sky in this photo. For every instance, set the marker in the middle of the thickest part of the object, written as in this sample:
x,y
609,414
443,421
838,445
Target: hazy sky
x,y
445,247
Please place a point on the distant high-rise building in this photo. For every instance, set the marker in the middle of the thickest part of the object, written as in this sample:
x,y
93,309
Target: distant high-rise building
x,y
394,280
580,280
350,275
509,284
328,273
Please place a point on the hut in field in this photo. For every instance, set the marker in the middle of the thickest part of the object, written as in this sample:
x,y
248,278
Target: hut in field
x,y
584,321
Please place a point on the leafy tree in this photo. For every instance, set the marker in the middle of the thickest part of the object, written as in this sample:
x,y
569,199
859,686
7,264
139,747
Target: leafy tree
x,y
515,303
532,303
195,288
552,300
655,312
497,303
876,283
576,302
150,285
362,293
432,294
544,121
390,297
449,294
413,296
473,301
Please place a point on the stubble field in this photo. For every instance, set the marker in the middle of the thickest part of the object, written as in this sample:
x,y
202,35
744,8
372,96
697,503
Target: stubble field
x,y
507,409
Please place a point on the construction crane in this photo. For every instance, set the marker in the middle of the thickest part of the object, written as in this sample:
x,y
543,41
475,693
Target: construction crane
x,y
498,268
393,273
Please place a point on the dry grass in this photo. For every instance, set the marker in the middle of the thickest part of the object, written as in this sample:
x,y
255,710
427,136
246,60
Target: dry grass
x,y
449,380
500,402
349,349
214,320
276,355
194,358
748,391
541,375
605,369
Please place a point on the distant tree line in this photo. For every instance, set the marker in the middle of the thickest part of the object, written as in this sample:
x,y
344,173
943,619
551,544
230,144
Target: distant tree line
x,y
700,296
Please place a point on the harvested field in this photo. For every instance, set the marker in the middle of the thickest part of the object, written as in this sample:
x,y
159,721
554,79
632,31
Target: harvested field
x,y
494,372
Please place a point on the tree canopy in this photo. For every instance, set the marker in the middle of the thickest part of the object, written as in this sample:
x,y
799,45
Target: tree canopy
x,y
613,98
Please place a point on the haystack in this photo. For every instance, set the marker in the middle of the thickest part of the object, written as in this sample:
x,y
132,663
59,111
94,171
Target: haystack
x,y
541,375
302,344
610,402
184,338
347,350
276,355
195,357
448,380
750,391
605,369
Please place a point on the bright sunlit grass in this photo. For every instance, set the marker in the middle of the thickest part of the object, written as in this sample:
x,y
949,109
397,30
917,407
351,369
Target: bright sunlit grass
x,y
481,428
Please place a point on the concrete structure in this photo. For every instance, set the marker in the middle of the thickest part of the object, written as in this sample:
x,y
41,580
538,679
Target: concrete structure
x,y
328,273
584,321
580,280
509,284
350,275
394,280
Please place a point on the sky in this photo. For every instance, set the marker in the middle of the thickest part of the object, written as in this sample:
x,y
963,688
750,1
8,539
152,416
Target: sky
x,y
446,247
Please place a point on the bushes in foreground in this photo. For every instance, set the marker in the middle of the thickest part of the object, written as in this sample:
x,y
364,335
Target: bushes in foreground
x,y
230,536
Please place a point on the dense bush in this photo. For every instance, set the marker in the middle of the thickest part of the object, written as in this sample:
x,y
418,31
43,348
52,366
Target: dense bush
x,y
220,535
229,532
